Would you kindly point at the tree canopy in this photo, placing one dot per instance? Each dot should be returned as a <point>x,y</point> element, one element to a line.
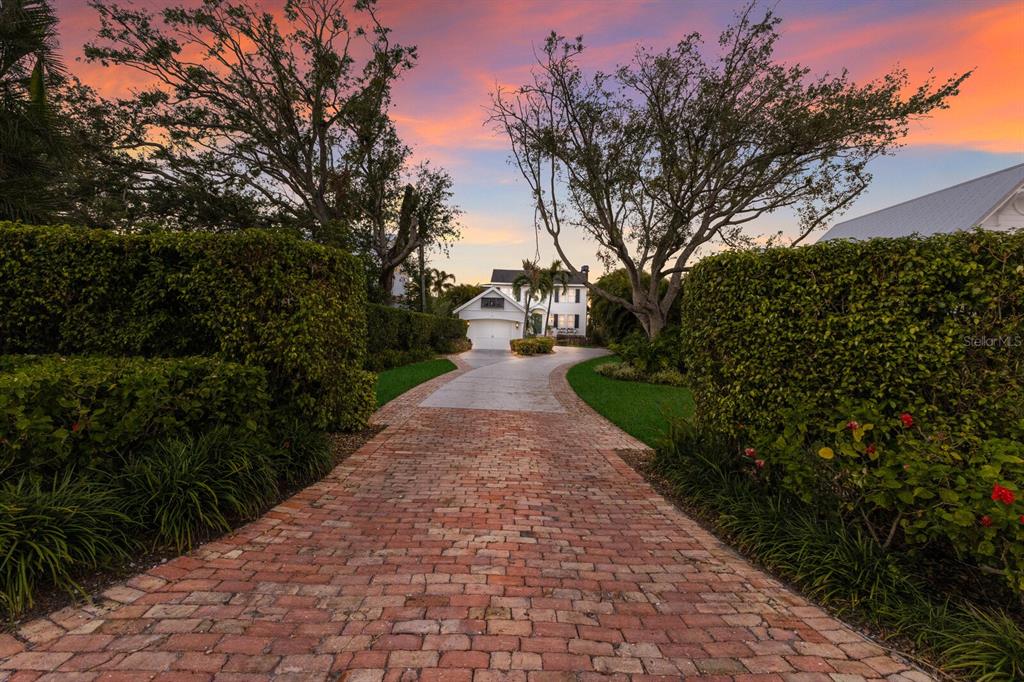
<point>680,148</point>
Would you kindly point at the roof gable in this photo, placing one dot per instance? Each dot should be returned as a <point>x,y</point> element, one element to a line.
<point>489,290</point>
<point>959,207</point>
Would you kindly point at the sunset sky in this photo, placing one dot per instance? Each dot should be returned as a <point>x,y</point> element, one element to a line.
<point>466,46</point>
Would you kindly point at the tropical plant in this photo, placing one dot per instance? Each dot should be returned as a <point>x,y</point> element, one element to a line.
<point>50,532</point>
<point>555,279</point>
<point>194,485</point>
<point>441,282</point>
<point>30,140</point>
<point>679,149</point>
<point>532,281</point>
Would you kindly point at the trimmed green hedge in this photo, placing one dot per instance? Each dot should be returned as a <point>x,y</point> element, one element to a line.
<point>885,378</point>
<point>396,336</point>
<point>534,345</point>
<point>65,414</point>
<point>264,299</point>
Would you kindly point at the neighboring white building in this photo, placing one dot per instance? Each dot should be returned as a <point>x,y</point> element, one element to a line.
<point>992,202</point>
<point>495,316</point>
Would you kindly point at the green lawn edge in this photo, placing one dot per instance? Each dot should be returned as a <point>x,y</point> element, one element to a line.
<point>642,410</point>
<point>394,382</point>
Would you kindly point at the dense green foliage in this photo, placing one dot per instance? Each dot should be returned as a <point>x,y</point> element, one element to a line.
<point>837,563</point>
<point>62,414</point>
<point>49,531</point>
<point>642,410</point>
<point>533,345</point>
<point>394,382</point>
<point>884,380</point>
<point>397,337</point>
<point>102,455</point>
<point>263,299</point>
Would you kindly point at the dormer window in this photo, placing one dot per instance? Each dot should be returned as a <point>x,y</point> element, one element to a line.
<point>492,302</point>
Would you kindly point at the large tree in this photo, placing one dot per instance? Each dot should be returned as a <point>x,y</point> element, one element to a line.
<point>679,150</point>
<point>291,112</point>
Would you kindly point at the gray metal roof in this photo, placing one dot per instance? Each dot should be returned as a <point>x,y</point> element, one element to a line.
<point>959,207</point>
<point>499,276</point>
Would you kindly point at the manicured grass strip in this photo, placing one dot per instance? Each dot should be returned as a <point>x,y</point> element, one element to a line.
<point>641,410</point>
<point>394,382</point>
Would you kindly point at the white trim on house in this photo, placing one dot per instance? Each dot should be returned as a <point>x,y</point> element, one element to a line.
<point>484,293</point>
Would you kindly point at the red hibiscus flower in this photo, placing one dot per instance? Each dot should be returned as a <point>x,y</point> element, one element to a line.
<point>852,425</point>
<point>759,463</point>
<point>986,520</point>
<point>907,419</point>
<point>75,427</point>
<point>870,449</point>
<point>750,452</point>
<point>1022,519</point>
<point>1001,494</point>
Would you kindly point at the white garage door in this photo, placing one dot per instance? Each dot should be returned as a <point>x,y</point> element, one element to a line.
<point>490,334</point>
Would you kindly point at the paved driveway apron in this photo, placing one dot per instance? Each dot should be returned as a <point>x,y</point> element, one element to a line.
<point>491,532</point>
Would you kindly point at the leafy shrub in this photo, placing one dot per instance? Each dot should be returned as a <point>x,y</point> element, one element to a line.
<point>785,347</point>
<point>648,356</point>
<point>399,337</point>
<point>834,561</point>
<point>48,532</point>
<point>269,300</point>
<point>534,345</point>
<point>302,454</point>
<point>71,414</point>
<point>194,485</point>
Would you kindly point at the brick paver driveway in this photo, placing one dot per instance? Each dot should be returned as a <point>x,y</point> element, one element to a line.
<point>460,544</point>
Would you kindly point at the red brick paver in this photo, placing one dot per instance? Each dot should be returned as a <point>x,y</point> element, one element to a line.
<point>458,545</point>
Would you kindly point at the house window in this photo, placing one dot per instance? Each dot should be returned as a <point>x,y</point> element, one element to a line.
<point>553,320</point>
<point>577,297</point>
<point>556,295</point>
<point>492,302</point>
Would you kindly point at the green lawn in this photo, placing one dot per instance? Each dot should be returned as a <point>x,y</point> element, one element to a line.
<point>394,382</point>
<point>641,410</point>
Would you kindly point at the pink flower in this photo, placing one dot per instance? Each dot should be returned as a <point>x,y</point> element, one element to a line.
<point>986,520</point>
<point>750,452</point>
<point>75,427</point>
<point>852,425</point>
<point>871,449</point>
<point>1001,494</point>
<point>759,463</point>
<point>907,419</point>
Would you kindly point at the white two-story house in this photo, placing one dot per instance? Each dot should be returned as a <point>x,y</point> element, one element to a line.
<point>496,315</point>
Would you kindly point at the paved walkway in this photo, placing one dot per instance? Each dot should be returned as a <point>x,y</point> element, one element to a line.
<point>460,544</point>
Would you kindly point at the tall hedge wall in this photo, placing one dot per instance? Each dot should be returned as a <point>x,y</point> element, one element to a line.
<point>396,336</point>
<point>881,380</point>
<point>264,299</point>
<point>933,325</point>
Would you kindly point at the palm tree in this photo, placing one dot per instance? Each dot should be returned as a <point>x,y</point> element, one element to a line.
<point>532,280</point>
<point>29,143</point>
<point>554,278</point>
<point>441,282</point>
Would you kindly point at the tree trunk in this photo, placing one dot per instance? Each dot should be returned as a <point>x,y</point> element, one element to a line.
<point>386,282</point>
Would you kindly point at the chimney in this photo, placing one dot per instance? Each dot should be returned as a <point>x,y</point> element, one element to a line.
<point>585,270</point>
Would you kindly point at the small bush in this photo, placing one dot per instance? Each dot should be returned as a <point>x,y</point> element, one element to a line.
<point>302,454</point>
<point>396,336</point>
<point>534,345</point>
<point>269,300</point>
<point>648,356</point>
<point>50,532</point>
<point>187,487</point>
<point>623,371</point>
<point>59,415</point>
